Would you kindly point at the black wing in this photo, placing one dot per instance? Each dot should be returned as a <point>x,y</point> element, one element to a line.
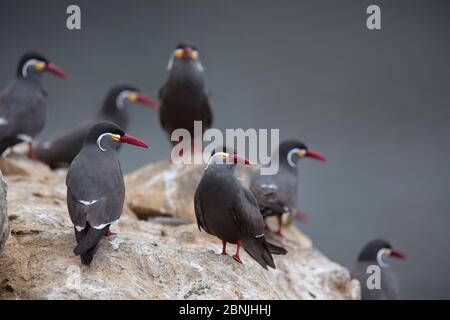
<point>246,213</point>
<point>199,212</point>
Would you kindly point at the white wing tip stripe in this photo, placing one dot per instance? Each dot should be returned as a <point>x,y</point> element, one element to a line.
<point>87,203</point>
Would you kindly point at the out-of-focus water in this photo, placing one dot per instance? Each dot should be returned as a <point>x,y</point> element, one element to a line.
<point>376,103</point>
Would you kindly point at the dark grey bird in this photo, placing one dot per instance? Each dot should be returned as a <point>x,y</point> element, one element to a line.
<point>278,193</point>
<point>227,210</point>
<point>61,149</point>
<point>95,186</point>
<point>184,98</point>
<point>375,253</point>
<point>23,103</point>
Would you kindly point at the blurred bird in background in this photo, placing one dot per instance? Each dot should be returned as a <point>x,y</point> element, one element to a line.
<point>184,98</point>
<point>376,253</point>
<point>23,103</point>
<point>59,150</point>
<point>278,194</point>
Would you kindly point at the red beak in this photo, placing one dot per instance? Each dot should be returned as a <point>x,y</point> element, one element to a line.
<point>133,140</point>
<point>147,101</point>
<point>239,159</point>
<point>50,67</point>
<point>301,216</point>
<point>187,52</point>
<point>397,254</point>
<point>315,155</point>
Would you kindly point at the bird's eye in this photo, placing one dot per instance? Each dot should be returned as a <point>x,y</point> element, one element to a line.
<point>194,55</point>
<point>179,53</point>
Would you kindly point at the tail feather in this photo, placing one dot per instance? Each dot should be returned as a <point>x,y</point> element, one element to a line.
<point>258,250</point>
<point>276,249</point>
<point>90,240</point>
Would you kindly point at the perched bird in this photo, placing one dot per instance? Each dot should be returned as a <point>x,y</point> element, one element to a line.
<point>277,194</point>
<point>95,186</point>
<point>227,210</point>
<point>374,254</point>
<point>23,103</point>
<point>59,150</point>
<point>183,97</point>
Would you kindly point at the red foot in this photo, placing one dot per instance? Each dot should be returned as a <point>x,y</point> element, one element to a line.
<point>237,258</point>
<point>110,233</point>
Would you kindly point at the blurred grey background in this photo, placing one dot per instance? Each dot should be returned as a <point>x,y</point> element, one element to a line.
<point>376,103</point>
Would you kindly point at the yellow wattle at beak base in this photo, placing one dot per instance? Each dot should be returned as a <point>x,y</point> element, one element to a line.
<point>301,154</point>
<point>132,97</point>
<point>115,137</point>
<point>39,67</point>
<point>179,53</point>
<point>194,55</point>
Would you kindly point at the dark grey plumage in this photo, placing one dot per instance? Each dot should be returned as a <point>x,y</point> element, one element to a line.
<point>183,97</point>
<point>226,209</point>
<point>95,188</point>
<point>61,149</point>
<point>23,103</point>
<point>370,255</point>
<point>277,194</point>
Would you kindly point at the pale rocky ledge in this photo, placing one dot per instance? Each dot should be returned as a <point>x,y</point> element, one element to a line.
<point>161,255</point>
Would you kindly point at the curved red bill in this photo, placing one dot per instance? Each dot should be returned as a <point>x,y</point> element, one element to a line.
<point>315,155</point>
<point>397,254</point>
<point>147,101</point>
<point>239,159</point>
<point>187,51</point>
<point>50,67</point>
<point>133,140</point>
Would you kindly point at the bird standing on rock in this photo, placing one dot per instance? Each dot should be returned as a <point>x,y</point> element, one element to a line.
<point>227,210</point>
<point>23,103</point>
<point>95,186</point>
<point>61,149</point>
<point>374,254</point>
<point>277,194</point>
<point>183,97</point>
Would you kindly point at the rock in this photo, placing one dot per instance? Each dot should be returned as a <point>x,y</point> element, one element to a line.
<point>4,226</point>
<point>16,163</point>
<point>147,260</point>
<point>167,189</point>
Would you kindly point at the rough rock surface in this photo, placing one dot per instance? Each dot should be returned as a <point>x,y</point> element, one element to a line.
<point>167,189</point>
<point>146,260</point>
<point>4,226</point>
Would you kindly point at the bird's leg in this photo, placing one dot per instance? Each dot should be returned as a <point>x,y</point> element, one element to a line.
<point>280,226</point>
<point>31,155</point>
<point>110,233</point>
<point>266,226</point>
<point>236,256</point>
<point>224,248</point>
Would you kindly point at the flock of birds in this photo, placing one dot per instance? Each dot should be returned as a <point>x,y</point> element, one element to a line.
<point>95,184</point>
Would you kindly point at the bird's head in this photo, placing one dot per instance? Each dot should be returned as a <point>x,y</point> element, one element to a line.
<point>291,151</point>
<point>377,251</point>
<point>185,53</point>
<point>226,155</point>
<point>121,96</point>
<point>34,64</point>
<point>107,135</point>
